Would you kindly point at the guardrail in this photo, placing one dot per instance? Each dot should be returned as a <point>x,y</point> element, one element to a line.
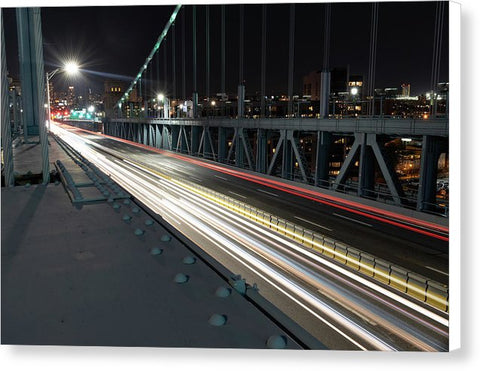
<point>401,279</point>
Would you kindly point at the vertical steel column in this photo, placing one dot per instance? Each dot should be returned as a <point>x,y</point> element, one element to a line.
<point>325,75</point>
<point>151,90</point>
<point>195,139</point>
<point>264,61</point>
<point>239,150</point>
<point>158,136</point>
<point>373,59</point>
<point>261,160</point>
<point>194,44</point>
<point>427,189</point>
<point>437,53</point>
<point>157,70</point>
<point>241,101</point>
<point>222,144</point>
<point>184,90</point>
<point>175,135</point>
<point>222,48</point>
<point>241,86</point>
<point>291,54</point>
<point>146,131</point>
<point>165,74</point>
<point>16,111</point>
<point>29,27</point>
<point>6,130</point>
<point>287,156</point>
<point>207,52</point>
<point>322,158</point>
<point>142,113</point>
<point>366,169</point>
<point>174,70</point>
<point>25,59</point>
<point>30,49</point>
<point>146,95</point>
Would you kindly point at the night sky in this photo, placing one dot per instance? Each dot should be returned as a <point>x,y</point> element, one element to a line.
<point>113,42</point>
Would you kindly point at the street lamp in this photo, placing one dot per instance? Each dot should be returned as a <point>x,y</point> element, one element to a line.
<point>354,92</point>
<point>70,68</point>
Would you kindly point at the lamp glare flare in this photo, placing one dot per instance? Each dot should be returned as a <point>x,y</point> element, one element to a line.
<point>71,68</point>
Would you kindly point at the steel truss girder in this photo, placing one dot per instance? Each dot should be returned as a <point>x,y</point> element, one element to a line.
<point>432,147</point>
<point>388,126</point>
<point>366,143</point>
<point>241,144</point>
<point>288,144</point>
<point>182,141</point>
<point>206,143</point>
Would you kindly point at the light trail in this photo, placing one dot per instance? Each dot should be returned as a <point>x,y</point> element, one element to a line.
<point>402,221</point>
<point>210,221</point>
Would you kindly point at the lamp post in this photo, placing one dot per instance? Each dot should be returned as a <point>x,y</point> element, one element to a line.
<point>354,92</point>
<point>160,98</point>
<point>70,68</point>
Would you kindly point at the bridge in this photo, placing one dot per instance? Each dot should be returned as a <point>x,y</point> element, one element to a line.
<point>235,211</point>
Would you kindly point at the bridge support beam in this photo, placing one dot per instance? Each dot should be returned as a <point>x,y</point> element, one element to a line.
<point>241,101</point>
<point>322,159</point>
<point>195,139</point>
<point>175,135</point>
<point>166,138</point>
<point>324,93</point>
<point>289,146</point>
<point>432,147</point>
<point>222,144</point>
<point>243,149</point>
<point>146,129</point>
<point>369,151</point>
<point>366,171</point>
<point>158,135</point>
<point>182,141</point>
<point>6,129</point>
<point>206,144</point>
<point>30,45</point>
<point>261,155</point>
<point>287,157</point>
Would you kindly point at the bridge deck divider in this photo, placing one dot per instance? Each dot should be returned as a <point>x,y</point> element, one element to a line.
<point>419,287</point>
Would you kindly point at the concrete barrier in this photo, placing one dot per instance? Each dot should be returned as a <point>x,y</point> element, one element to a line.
<point>341,252</point>
<point>353,258</point>
<point>437,295</point>
<point>382,271</point>
<point>416,286</point>
<point>290,230</point>
<point>307,238</point>
<point>398,278</point>
<point>329,247</point>
<point>318,244</point>
<point>367,264</point>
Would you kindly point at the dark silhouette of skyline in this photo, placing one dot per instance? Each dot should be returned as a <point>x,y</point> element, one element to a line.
<point>113,42</point>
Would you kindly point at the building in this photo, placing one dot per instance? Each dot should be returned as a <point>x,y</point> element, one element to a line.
<point>71,96</point>
<point>406,90</point>
<point>338,82</point>
<point>112,92</point>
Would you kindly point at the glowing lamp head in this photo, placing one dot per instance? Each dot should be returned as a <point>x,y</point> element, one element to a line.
<point>71,68</point>
<point>91,109</point>
<point>213,103</point>
<point>354,91</point>
<point>160,97</point>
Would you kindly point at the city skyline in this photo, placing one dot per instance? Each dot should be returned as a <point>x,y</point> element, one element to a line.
<point>107,49</point>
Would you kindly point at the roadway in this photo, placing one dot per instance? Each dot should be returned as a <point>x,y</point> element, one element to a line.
<point>425,254</point>
<point>342,309</point>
